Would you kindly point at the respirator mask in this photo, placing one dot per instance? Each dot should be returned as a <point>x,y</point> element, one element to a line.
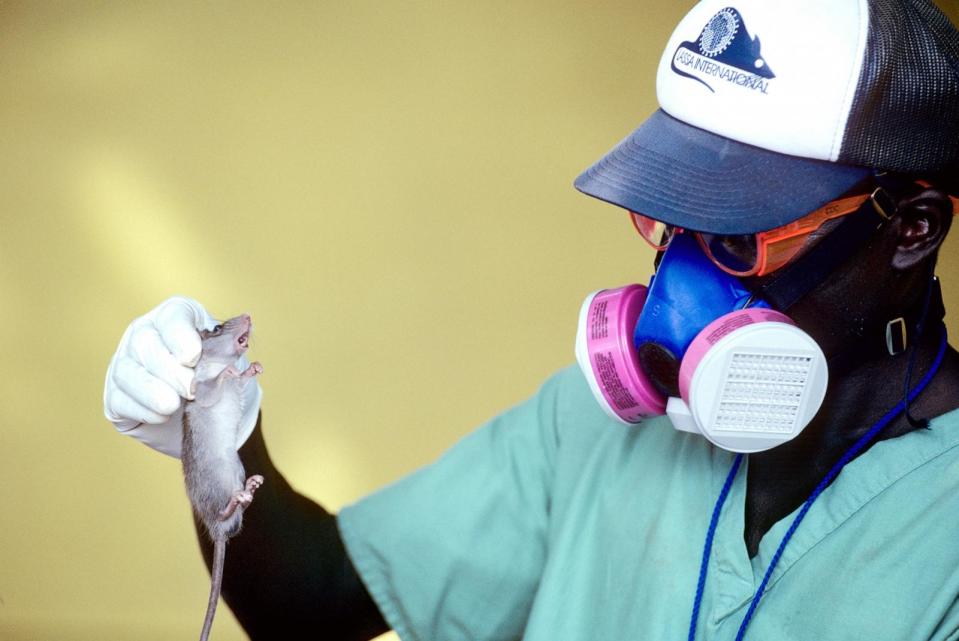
<point>700,347</point>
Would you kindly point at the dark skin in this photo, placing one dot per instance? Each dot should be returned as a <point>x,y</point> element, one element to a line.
<point>887,279</point>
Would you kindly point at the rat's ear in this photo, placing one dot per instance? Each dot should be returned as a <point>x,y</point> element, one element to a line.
<point>923,220</point>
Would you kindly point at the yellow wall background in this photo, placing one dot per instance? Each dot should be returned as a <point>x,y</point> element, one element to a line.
<point>385,186</point>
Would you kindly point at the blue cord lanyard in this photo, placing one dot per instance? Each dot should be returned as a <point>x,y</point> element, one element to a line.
<point>857,446</point>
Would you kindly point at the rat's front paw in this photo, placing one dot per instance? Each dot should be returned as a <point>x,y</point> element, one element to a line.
<point>254,369</point>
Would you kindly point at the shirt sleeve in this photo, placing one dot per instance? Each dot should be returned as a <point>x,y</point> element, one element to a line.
<point>456,549</point>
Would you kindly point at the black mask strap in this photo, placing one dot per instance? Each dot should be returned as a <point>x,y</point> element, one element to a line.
<point>932,307</point>
<point>798,278</point>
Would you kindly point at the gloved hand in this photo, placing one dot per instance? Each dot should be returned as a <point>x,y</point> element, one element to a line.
<point>151,372</point>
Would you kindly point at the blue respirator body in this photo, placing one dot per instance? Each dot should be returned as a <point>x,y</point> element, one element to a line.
<point>686,293</point>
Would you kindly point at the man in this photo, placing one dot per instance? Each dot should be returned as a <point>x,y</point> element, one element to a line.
<point>800,170</point>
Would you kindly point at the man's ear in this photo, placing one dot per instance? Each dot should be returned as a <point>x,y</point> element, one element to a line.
<point>923,222</point>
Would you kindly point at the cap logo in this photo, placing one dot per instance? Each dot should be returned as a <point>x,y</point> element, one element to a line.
<point>724,51</point>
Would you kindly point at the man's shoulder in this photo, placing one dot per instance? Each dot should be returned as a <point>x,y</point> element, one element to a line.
<point>581,423</point>
<point>568,396</point>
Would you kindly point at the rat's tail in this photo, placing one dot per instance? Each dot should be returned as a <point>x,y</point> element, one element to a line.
<point>216,580</point>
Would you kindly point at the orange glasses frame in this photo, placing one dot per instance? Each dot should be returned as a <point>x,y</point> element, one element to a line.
<point>774,247</point>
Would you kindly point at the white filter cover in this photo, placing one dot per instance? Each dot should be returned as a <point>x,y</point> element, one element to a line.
<point>758,387</point>
<point>770,73</point>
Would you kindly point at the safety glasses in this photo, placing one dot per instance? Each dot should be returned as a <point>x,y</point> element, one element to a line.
<point>751,254</point>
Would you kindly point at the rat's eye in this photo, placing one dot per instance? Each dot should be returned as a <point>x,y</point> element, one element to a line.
<point>217,329</point>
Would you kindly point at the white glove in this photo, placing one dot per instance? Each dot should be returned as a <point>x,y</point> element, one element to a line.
<point>151,373</point>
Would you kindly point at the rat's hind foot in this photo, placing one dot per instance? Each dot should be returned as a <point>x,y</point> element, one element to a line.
<point>253,483</point>
<point>241,499</point>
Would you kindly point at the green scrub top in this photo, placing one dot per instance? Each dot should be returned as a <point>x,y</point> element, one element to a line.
<point>552,522</point>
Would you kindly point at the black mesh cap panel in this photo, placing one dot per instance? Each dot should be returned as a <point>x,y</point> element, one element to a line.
<point>905,115</point>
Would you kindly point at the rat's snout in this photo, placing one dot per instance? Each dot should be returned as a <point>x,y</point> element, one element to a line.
<point>241,323</point>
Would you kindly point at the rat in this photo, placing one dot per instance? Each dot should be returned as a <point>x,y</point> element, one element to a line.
<point>215,479</point>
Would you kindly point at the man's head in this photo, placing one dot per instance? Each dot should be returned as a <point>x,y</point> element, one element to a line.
<point>771,109</point>
<point>832,127</point>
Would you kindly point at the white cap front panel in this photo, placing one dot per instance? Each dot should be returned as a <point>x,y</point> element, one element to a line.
<point>775,74</point>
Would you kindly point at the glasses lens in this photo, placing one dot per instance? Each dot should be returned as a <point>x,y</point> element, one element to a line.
<point>736,253</point>
<point>656,233</point>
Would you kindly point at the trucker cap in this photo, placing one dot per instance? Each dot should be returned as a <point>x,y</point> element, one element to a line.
<point>771,108</point>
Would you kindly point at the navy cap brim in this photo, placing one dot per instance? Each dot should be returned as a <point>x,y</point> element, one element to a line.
<point>695,179</point>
